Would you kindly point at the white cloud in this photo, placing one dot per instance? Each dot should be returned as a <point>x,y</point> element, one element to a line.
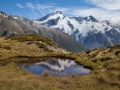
<point>64,10</point>
<point>31,6</point>
<point>106,4</point>
<point>19,5</point>
<point>105,10</point>
<point>44,6</point>
<point>101,12</point>
<point>39,6</point>
<point>115,22</point>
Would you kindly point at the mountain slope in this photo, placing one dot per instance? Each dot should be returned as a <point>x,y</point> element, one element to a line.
<point>62,39</point>
<point>90,32</point>
<point>15,25</point>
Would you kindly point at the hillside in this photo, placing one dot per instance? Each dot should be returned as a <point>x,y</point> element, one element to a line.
<point>62,39</point>
<point>28,45</point>
<point>104,64</point>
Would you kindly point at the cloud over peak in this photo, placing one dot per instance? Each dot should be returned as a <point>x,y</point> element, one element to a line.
<point>19,5</point>
<point>101,10</point>
<point>106,4</point>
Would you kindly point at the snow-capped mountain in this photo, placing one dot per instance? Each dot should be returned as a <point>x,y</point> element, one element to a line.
<point>90,32</point>
<point>4,14</point>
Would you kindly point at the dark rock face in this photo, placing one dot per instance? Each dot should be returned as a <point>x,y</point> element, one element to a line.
<point>51,22</point>
<point>92,19</point>
<point>44,18</point>
<point>5,33</point>
<point>114,36</point>
<point>95,40</point>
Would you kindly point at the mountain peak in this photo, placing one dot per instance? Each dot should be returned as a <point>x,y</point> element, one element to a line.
<point>53,15</point>
<point>4,14</point>
<point>57,12</point>
<point>90,18</point>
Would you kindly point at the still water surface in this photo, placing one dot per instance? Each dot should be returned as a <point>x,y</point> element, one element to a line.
<point>56,67</point>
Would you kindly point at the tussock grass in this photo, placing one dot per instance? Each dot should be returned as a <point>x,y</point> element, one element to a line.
<point>28,45</point>
<point>33,37</point>
<point>5,47</point>
<point>46,74</point>
<point>104,63</point>
<point>13,78</point>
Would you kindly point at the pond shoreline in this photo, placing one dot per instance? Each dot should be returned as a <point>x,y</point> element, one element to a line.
<point>17,59</point>
<point>41,56</point>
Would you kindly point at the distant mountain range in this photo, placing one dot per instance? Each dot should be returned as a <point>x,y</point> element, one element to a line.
<point>16,25</point>
<point>88,31</point>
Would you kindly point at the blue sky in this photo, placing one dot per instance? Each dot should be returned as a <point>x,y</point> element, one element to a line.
<point>100,9</point>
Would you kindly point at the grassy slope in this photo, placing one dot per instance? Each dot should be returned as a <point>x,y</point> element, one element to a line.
<point>12,78</point>
<point>105,74</point>
<point>27,45</point>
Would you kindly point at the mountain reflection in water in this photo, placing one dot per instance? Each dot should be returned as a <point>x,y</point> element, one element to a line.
<point>56,67</point>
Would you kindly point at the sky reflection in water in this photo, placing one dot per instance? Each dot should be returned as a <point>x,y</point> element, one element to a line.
<point>56,67</point>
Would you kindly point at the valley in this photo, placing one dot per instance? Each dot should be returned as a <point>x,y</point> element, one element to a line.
<point>26,43</point>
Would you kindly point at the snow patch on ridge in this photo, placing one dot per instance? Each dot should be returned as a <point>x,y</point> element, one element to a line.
<point>15,17</point>
<point>54,16</point>
<point>4,15</point>
<point>76,25</point>
<point>83,27</point>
